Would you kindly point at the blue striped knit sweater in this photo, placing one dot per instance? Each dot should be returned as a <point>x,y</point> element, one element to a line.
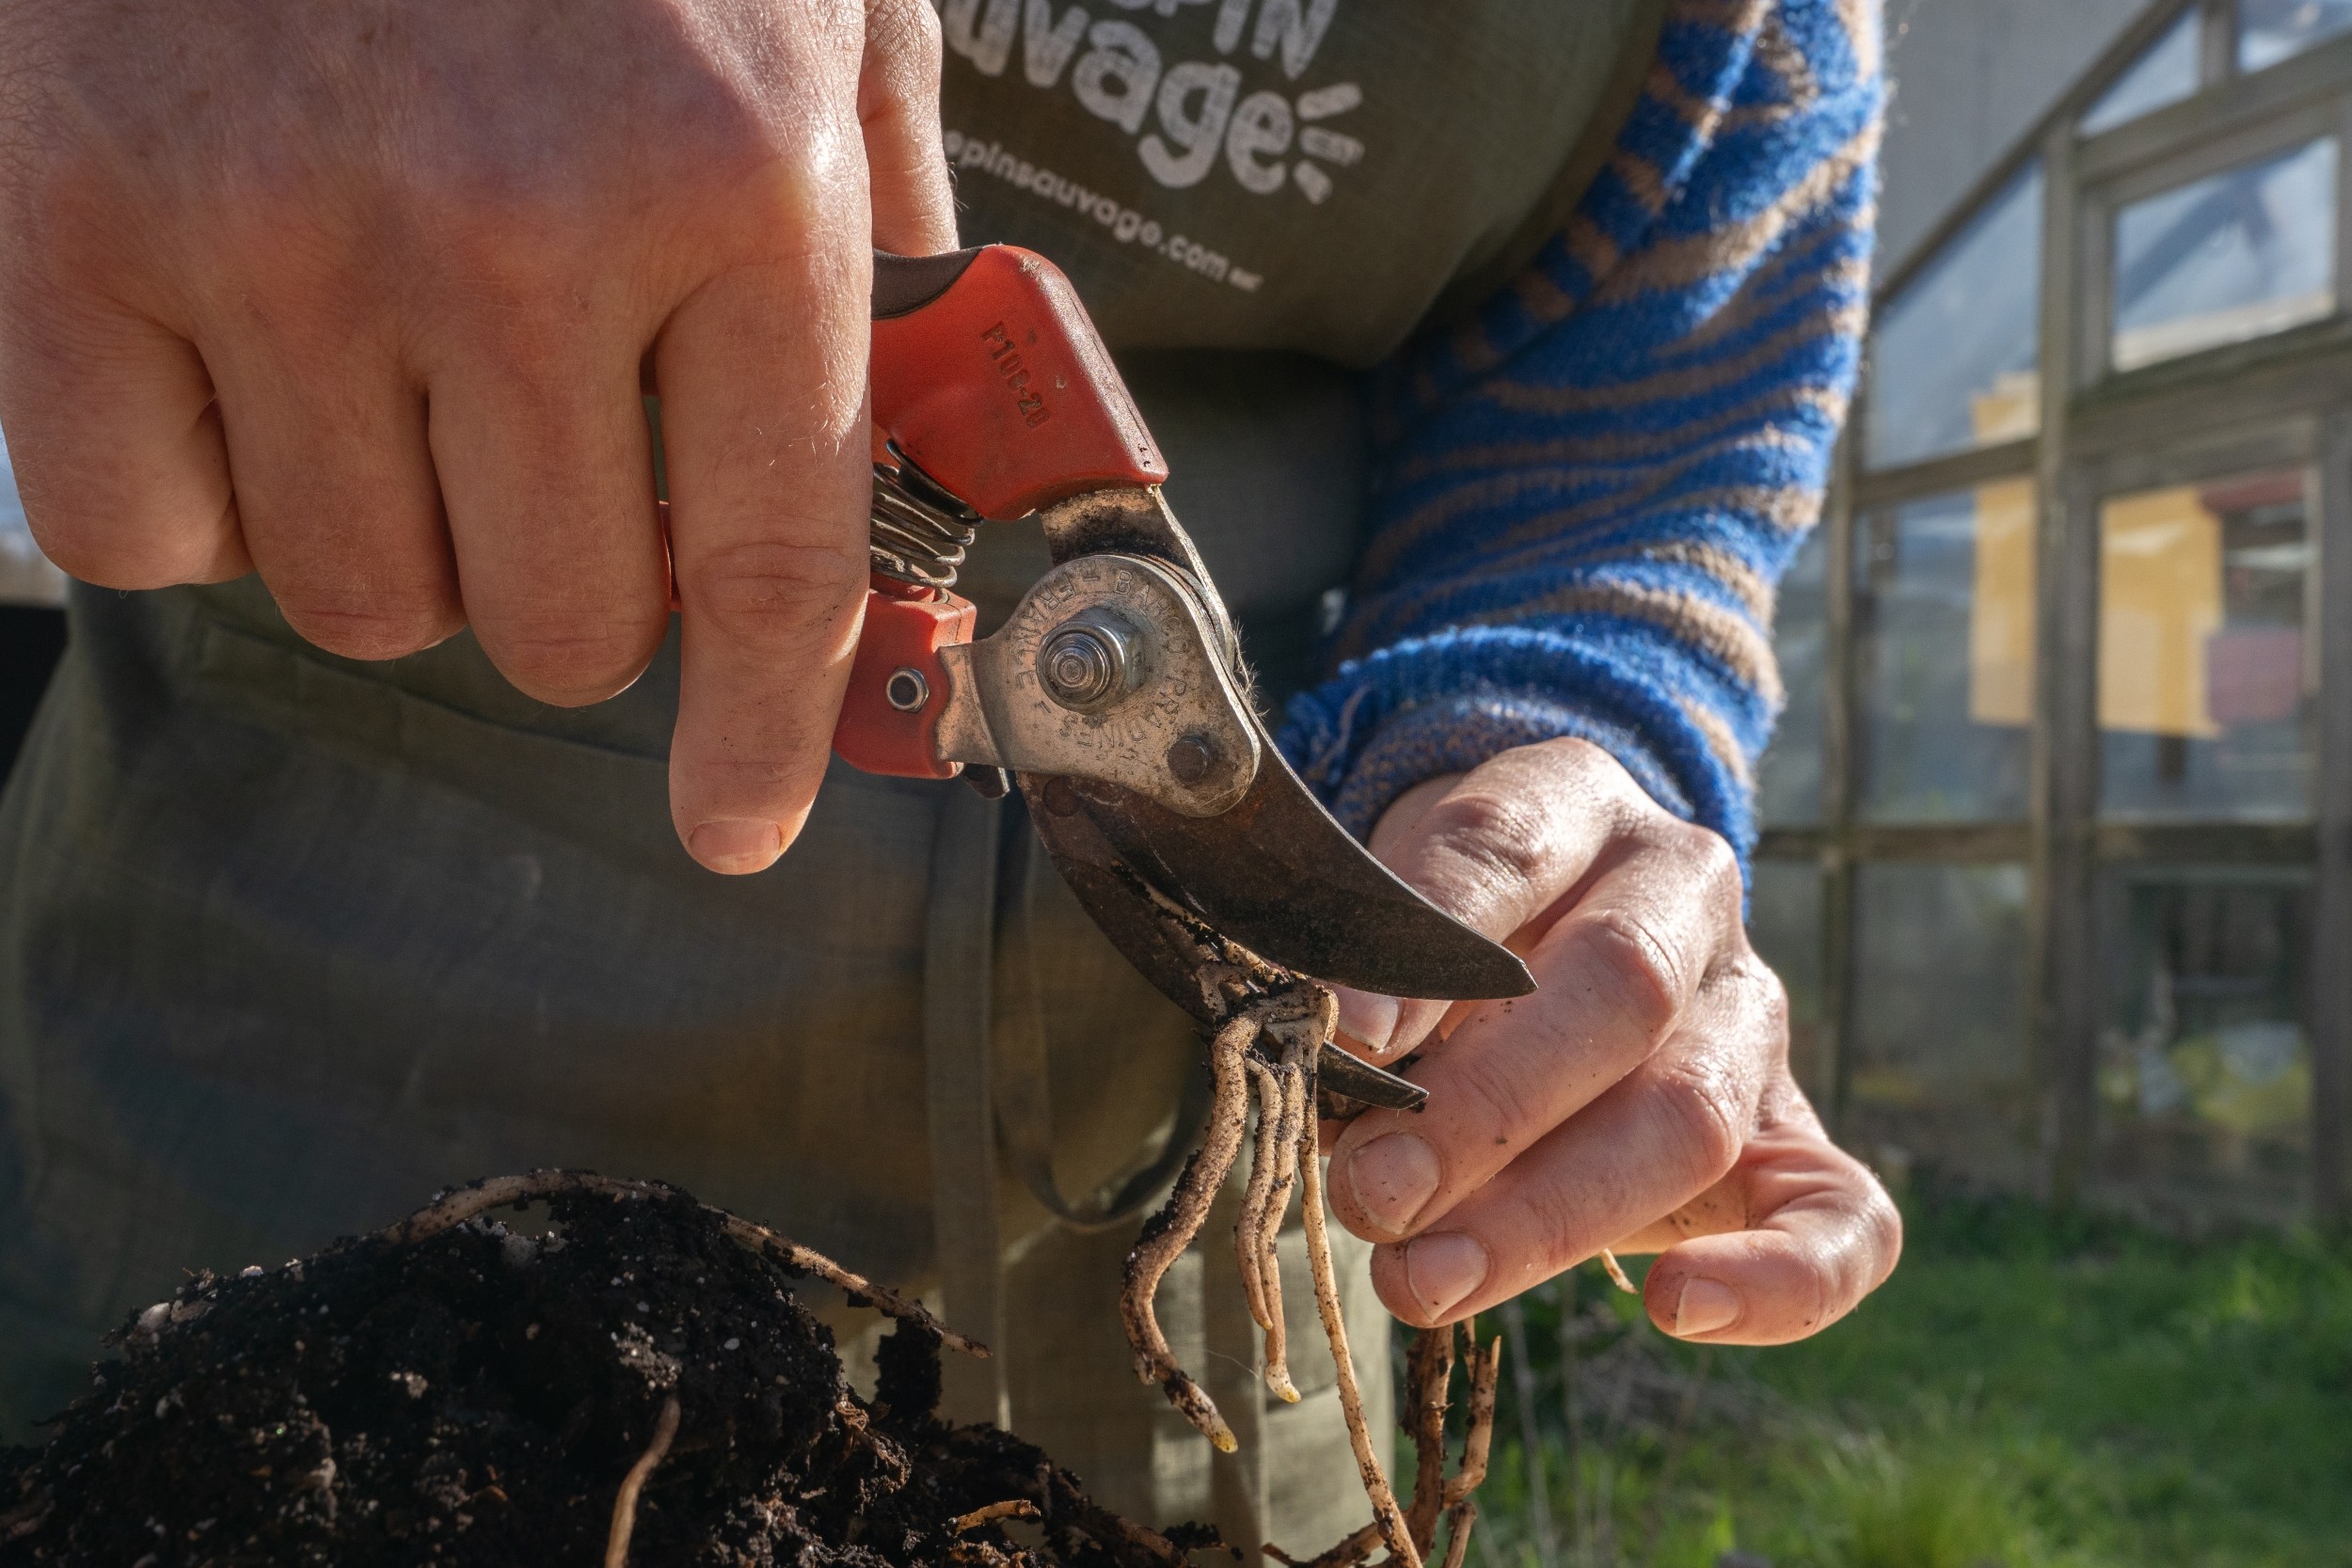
<point>1588,490</point>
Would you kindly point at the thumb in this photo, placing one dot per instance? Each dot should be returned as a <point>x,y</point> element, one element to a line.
<point>1811,1234</point>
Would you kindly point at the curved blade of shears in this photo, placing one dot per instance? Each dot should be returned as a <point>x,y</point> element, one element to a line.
<point>1278,875</point>
<point>1169,945</point>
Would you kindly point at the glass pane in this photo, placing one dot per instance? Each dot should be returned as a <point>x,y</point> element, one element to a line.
<point>1952,357</point>
<point>2236,255</point>
<point>2205,1068</point>
<point>1944,624</point>
<point>2205,677</point>
<point>1788,782</point>
<point>2165,74</point>
<point>1940,1067</point>
<point>1784,925</point>
<point>25,574</point>
<point>2270,30</point>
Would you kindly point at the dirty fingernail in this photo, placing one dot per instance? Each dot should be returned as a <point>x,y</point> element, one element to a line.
<point>1393,1178</point>
<point>1368,1019</point>
<point>1442,1270</point>
<point>1706,1306</point>
<point>735,844</point>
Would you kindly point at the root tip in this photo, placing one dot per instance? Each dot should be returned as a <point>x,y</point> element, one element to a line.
<point>1617,1275</point>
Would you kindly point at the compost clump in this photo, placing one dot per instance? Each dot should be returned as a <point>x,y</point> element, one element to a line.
<point>636,1381</point>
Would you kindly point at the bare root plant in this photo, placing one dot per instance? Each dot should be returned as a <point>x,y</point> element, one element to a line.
<point>1273,1026</point>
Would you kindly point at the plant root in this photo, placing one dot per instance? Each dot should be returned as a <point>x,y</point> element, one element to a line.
<point>1246,1252</point>
<point>1617,1275</point>
<point>1458,1520</point>
<point>1428,1369</point>
<point>1012,1507</point>
<point>1483,1370</point>
<point>1293,1140</point>
<point>1167,1233</point>
<point>624,1505</point>
<point>1351,1550</point>
<point>455,1207</point>
<point>1436,1496</point>
<point>1383,1508</point>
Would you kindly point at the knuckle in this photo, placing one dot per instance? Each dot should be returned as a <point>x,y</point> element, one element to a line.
<point>1569,1222</point>
<point>732,135</point>
<point>1882,1226</point>
<point>1595,773</point>
<point>514,258</point>
<point>1760,999</point>
<point>1768,999</point>
<point>1704,1119</point>
<point>1642,983</point>
<point>1715,865</point>
<point>1496,838</point>
<point>770,591</point>
<point>1577,754</point>
<point>1492,1099</point>
<point>487,213</point>
<point>1703,860</point>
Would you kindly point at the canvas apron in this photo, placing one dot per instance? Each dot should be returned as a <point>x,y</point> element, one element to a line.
<point>288,942</point>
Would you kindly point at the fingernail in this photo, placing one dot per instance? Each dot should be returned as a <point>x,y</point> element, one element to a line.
<point>1393,1177</point>
<point>735,844</point>
<point>1706,1306</point>
<point>1368,1019</point>
<point>1442,1270</point>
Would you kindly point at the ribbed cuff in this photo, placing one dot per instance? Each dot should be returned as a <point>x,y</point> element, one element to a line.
<point>1446,703</point>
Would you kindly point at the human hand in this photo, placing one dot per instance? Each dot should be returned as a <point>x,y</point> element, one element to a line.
<point>362,296</point>
<point>1640,1100</point>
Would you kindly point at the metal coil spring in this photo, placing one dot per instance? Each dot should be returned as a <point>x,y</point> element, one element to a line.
<point>920,531</point>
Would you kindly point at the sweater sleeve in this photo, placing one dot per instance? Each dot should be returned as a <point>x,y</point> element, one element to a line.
<point>1587,491</point>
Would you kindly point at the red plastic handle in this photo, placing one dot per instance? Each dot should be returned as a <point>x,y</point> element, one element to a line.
<point>898,686</point>
<point>997,384</point>
<point>989,375</point>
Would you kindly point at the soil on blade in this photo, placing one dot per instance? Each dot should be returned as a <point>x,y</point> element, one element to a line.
<point>478,1397</point>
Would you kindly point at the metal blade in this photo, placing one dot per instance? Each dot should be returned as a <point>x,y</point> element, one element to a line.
<point>1278,875</point>
<point>1171,947</point>
<point>1341,1076</point>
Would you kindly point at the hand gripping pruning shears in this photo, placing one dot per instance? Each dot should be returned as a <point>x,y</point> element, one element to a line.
<point>1114,695</point>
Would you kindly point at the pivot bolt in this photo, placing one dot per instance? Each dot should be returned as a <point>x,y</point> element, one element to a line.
<point>1191,757</point>
<point>1089,661</point>
<point>907,690</point>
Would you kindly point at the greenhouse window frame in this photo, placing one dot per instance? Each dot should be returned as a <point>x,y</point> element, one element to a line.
<point>2278,400</point>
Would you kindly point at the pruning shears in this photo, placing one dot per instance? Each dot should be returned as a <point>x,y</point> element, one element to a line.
<point>1115,696</point>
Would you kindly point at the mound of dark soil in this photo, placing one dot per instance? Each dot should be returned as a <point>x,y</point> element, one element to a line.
<point>479,1397</point>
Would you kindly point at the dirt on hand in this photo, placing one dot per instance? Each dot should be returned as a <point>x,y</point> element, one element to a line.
<point>476,1395</point>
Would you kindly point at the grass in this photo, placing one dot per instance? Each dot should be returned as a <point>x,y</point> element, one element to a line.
<point>2028,1390</point>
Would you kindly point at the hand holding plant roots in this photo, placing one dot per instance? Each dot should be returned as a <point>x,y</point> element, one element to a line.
<point>1273,1026</point>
